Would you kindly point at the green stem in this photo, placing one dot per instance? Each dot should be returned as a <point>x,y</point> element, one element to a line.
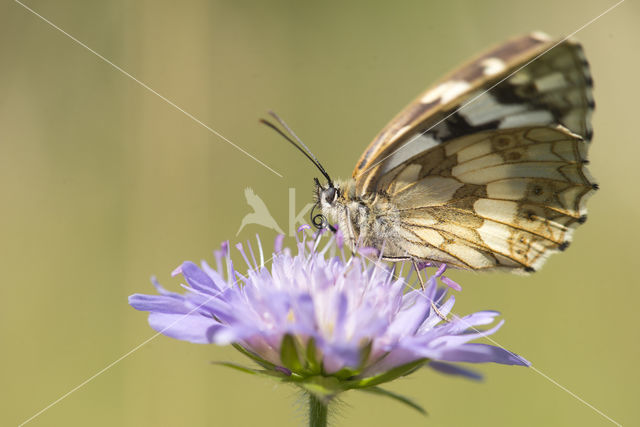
<point>317,412</point>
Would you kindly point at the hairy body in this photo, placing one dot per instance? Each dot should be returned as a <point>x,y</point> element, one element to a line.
<point>369,221</point>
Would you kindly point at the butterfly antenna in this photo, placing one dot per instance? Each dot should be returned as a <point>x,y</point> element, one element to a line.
<point>292,133</point>
<point>299,144</point>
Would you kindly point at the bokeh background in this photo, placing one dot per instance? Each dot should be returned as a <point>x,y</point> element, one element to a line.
<point>103,184</point>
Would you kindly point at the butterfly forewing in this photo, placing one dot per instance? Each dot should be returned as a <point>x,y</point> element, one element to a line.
<point>527,81</point>
<point>486,170</point>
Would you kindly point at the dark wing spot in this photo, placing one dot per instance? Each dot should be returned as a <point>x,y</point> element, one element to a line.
<point>459,126</point>
<point>502,141</point>
<point>588,80</point>
<point>563,246</point>
<point>513,156</point>
<point>362,163</point>
<point>529,269</point>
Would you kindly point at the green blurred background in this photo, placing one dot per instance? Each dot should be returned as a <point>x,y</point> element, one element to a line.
<point>103,184</point>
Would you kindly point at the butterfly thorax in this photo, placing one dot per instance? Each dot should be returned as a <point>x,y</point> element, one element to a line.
<point>371,220</point>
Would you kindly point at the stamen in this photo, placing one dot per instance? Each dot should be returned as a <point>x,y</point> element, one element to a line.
<point>261,251</point>
<point>277,244</point>
<point>441,270</point>
<point>239,248</point>
<point>317,237</point>
<point>339,238</point>
<point>450,283</point>
<point>328,245</point>
<point>253,257</point>
<point>177,271</point>
<point>224,247</point>
<point>217,254</point>
<point>230,270</point>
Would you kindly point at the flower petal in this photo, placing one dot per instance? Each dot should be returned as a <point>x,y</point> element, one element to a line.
<point>479,353</point>
<point>158,303</point>
<point>197,278</point>
<point>409,318</point>
<point>450,369</point>
<point>193,328</point>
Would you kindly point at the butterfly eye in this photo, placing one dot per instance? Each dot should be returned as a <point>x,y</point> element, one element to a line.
<point>329,195</point>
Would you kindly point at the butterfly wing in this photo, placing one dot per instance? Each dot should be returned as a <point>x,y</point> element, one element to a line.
<point>529,80</point>
<point>502,199</point>
<point>493,180</point>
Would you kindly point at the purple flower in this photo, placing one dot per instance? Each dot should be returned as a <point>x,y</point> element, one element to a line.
<point>326,322</point>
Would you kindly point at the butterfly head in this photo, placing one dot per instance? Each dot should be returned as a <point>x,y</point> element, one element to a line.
<point>326,200</point>
<point>326,196</point>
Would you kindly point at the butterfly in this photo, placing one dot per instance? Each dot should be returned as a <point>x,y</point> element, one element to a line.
<point>486,170</point>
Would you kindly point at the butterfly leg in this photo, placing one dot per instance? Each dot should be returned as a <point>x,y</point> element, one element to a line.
<point>433,305</point>
<point>415,267</point>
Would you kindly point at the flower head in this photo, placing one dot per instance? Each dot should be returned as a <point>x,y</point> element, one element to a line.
<point>326,322</point>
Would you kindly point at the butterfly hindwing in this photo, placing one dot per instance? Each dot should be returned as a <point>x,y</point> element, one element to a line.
<point>491,200</point>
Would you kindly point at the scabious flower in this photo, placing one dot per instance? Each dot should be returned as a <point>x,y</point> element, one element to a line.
<point>327,323</point>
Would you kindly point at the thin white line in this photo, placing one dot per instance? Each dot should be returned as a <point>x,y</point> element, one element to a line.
<point>90,378</point>
<point>115,362</point>
<point>548,378</point>
<point>496,84</point>
<point>574,395</point>
<point>545,376</point>
<point>218,134</point>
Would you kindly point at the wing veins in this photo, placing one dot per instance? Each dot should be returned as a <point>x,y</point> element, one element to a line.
<point>455,208</point>
<point>423,242</point>
<point>536,162</point>
<point>563,228</point>
<point>507,149</point>
<point>473,245</point>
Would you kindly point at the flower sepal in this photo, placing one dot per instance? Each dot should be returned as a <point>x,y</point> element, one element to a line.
<point>390,375</point>
<point>324,388</point>
<point>290,354</point>
<point>397,397</point>
<point>259,360</point>
<point>312,362</point>
<point>278,375</point>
